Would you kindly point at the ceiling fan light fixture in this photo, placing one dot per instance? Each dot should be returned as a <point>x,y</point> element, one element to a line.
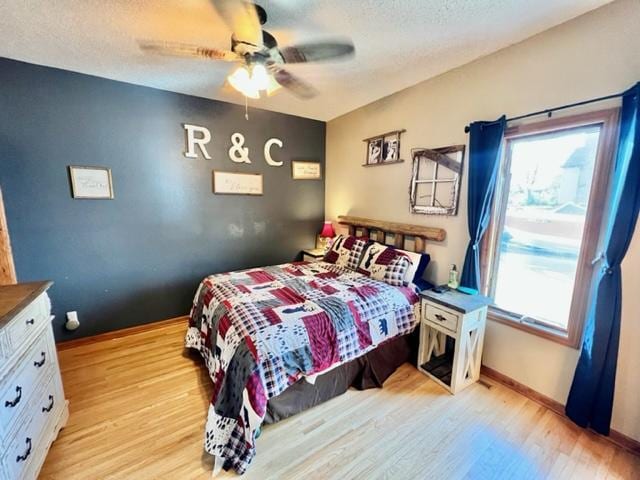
<point>242,81</point>
<point>259,77</point>
<point>264,62</point>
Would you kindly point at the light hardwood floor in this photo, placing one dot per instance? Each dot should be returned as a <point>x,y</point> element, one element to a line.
<point>138,406</point>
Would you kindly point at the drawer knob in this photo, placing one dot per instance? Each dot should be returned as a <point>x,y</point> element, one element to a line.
<point>48,409</point>
<point>40,363</point>
<point>15,401</point>
<point>440,318</point>
<point>31,321</point>
<point>25,455</point>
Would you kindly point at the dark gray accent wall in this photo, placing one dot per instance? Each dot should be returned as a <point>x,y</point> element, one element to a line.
<point>139,257</point>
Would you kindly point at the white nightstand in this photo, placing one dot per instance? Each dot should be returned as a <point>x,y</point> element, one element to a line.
<point>451,337</point>
<point>312,255</point>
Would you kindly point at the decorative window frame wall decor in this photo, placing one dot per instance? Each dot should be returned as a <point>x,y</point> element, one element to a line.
<point>450,158</point>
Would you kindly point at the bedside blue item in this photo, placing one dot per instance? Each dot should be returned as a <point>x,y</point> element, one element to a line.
<point>468,291</point>
<point>441,289</point>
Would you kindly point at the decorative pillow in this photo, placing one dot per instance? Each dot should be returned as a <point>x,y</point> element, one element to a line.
<point>384,263</point>
<point>345,251</point>
<point>419,262</point>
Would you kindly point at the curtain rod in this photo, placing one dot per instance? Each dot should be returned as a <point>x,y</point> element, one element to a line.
<point>549,111</point>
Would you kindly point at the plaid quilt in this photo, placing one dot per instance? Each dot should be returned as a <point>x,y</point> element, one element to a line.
<point>263,329</point>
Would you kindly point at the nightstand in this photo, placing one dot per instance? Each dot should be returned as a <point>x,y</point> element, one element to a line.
<point>312,255</point>
<point>452,326</point>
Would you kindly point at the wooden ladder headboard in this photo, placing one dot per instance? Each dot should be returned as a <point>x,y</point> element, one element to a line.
<point>398,230</point>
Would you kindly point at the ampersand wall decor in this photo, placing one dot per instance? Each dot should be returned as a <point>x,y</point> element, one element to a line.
<point>238,153</point>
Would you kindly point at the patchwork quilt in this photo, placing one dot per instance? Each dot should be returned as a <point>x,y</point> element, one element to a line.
<point>261,330</point>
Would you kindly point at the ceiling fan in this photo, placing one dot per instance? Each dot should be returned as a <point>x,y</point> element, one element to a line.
<point>262,60</point>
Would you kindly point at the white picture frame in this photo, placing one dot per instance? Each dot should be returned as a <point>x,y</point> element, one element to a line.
<point>233,183</point>
<point>306,170</point>
<point>92,183</point>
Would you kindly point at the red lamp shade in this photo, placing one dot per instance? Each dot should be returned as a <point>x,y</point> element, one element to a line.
<point>327,230</point>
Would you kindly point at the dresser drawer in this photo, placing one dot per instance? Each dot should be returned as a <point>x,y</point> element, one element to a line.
<point>30,320</point>
<point>24,452</point>
<point>18,387</point>
<point>441,317</point>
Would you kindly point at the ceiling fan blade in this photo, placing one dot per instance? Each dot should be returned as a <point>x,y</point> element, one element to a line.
<point>317,51</point>
<point>292,83</point>
<point>242,18</point>
<point>186,50</point>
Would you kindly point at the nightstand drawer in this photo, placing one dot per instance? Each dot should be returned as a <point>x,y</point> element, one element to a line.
<point>441,317</point>
<point>313,255</point>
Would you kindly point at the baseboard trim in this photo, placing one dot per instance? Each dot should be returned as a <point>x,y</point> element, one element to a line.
<point>522,389</point>
<point>615,437</point>
<point>123,332</point>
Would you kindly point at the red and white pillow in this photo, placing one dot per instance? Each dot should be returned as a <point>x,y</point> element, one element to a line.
<point>345,251</point>
<point>383,263</point>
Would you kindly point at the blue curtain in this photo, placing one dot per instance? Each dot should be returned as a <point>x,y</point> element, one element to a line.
<point>590,400</point>
<point>485,140</point>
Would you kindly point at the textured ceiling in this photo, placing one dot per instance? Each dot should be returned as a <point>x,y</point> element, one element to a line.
<point>398,42</point>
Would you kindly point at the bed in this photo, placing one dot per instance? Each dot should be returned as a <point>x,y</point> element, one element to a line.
<point>279,339</point>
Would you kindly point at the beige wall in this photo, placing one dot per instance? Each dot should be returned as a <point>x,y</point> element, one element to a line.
<point>593,55</point>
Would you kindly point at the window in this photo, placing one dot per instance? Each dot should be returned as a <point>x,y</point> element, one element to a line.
<point>547,217</point>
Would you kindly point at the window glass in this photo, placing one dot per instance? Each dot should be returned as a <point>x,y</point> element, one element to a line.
<point>547,186</point>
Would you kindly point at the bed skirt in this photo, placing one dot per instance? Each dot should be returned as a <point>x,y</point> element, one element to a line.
<point>369,371</point>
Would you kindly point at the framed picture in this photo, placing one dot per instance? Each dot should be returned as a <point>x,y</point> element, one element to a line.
<point>306,170</point>
<point>383,149</point>
<point>374,151</point>
<point>231,183</point>
<point>391,149</point>
<point>91,182</point>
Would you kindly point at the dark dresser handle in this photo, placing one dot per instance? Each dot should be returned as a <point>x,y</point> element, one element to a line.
<point>31,321</point>
<point>15,401</point>
<point>440,318</point>
<point>41,362</point>
<point>48,409</point>
<point>22,458</point>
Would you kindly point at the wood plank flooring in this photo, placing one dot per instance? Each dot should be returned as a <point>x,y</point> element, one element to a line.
<point>138,407</point>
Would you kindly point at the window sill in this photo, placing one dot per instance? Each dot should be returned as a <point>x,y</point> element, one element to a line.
<point>563,338</point>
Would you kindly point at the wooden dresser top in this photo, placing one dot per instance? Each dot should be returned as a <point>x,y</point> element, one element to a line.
<point>14,298</point>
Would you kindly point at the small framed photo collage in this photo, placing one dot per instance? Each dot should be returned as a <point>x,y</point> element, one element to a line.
<point>383,149</point>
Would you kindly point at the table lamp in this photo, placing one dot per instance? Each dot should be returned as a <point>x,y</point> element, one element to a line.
<point>326,235</point>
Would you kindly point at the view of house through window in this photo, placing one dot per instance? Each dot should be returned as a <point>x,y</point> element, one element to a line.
<point>548,181</point>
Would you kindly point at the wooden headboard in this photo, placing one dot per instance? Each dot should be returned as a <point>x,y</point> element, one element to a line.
<point>398,230</point>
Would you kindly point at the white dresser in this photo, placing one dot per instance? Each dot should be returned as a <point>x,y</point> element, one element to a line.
<point>32,404</point>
